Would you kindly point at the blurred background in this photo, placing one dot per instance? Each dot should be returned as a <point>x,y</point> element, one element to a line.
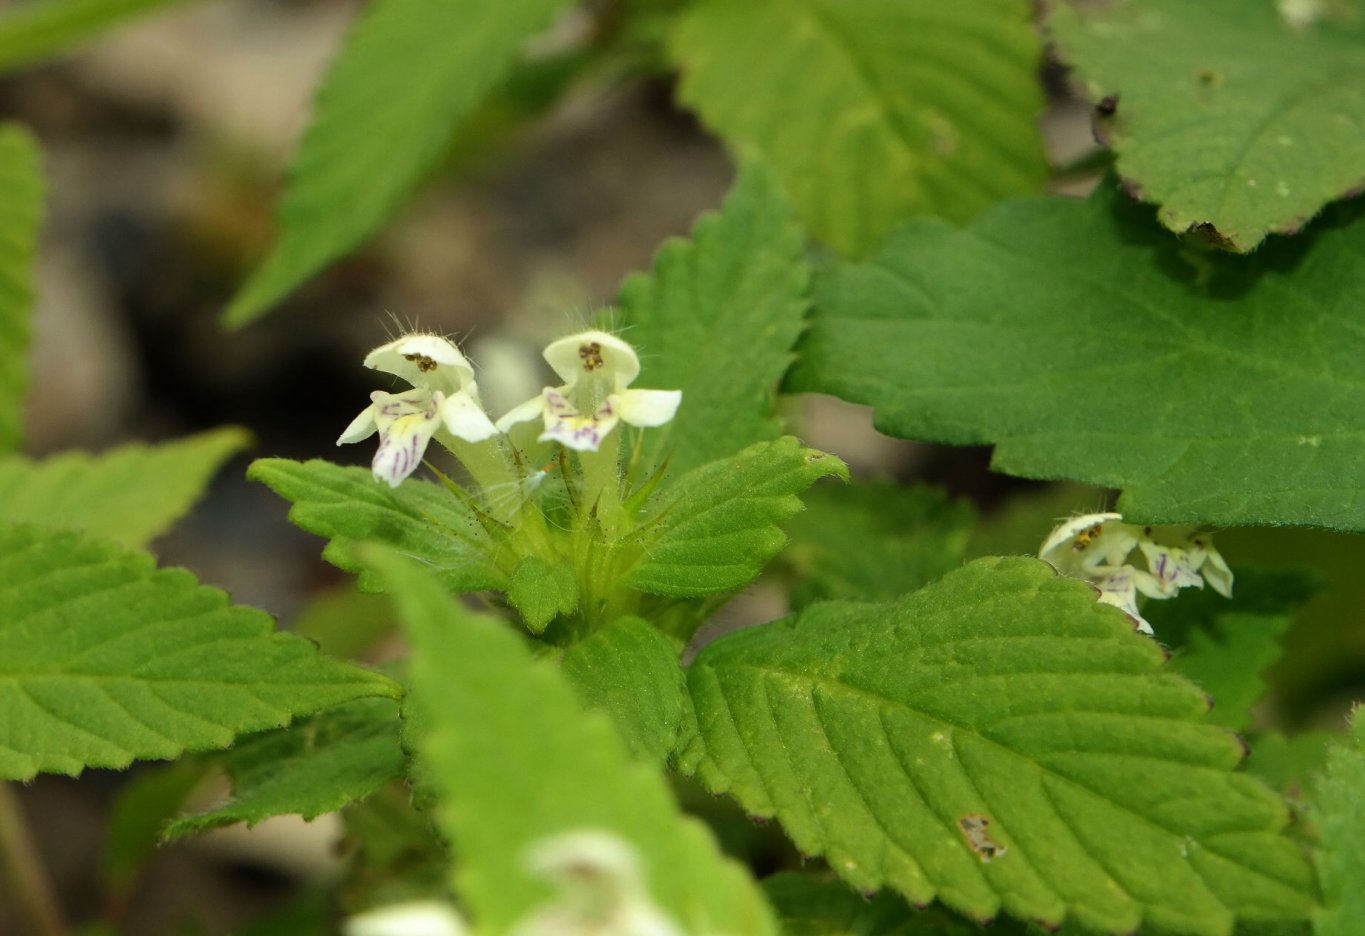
<point>164,144</point>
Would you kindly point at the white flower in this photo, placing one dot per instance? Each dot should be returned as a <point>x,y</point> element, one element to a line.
<point>1096,547</point>
<point>416,918</point>
<point>597,368</point>
<point>602,889</point>
<point>444,394</point>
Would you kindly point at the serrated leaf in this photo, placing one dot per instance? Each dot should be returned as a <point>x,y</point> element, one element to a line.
<point>1075,337</point>
<point>718,525</point>
<point>409,72</point>
<point>132,494</point>
<point>1224,646</point>
<point>418,519</point>
<point>1227,116</point>
<point>873,541</point>
<point>21,205</point>
<point>33,31</point>
<point>820,906</point>
<point>105,659</point>
<point>541,591</point>
<point>998,740</point>
<point>312,767</point>
<point>630,670</point>
<point>717,319</point>
<point>515,758</point>
<point>1340,805</point>
<point>907,107</point>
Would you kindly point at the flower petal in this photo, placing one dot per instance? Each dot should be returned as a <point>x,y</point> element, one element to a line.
<point>647,407</point>
<point>406,423</point>
<point>1061,538</point>
<point>1118,588</point>
<point>361,428</point>
<point>565,425</point>
<point>523,412</point>
<point>1217,573</point>
<point>1172,568</point>
<point>417,918</point>
<point>594,352</point>
<point>423,361</point>
<point>465,418</point>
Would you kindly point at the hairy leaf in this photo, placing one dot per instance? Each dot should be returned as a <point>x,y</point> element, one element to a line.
<point>312,767</point>
<point>541,591</point>
<point>515,758</point>
<point>874,542</point>
<point>105,659</point>
<point>717,319</point>
<point>35,30</point>
<point>409,72</point>
<point>1341,823</point>
<point>998,740</point>
<point>420,519</point>
<point>132,494</point>
<point>630,670</point>
<point>1226,646</point>
<point>1236,123</point>
<point>1074,336</point>
<point>21,205</point>
<point>906,107</point>
<point>718,525</point>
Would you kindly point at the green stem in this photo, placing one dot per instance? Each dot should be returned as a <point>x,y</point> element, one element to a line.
<point>21,871</point>
<point>489,466</point>
<point>602,483</point>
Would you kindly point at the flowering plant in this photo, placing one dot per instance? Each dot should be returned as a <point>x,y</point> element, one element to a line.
<point>591,635</point>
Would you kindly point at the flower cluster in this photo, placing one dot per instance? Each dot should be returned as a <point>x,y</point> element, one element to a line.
<point>596,368</point>
<point>1096,548</point>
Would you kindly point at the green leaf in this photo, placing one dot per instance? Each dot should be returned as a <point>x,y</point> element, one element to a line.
<point>409,72</point>
<point>515,758</point>
<point>718,525</point>
<point>1074,336</point>
<point>906,107</point>
<point>1234,123</point>
<point>418,519</point>
<point>541,591</point>
<point>717,319</point>
<point>105,659</point>
<point>822,906</point>
<point>1225,646</point>
<point>132,494</point>
<point>313,767</point>
<point>21,206</point>
<point>35,30</point>
<point>998,740</point>
<point>1341,824</point>
<point>630,670</point>
<point>874,542</point>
